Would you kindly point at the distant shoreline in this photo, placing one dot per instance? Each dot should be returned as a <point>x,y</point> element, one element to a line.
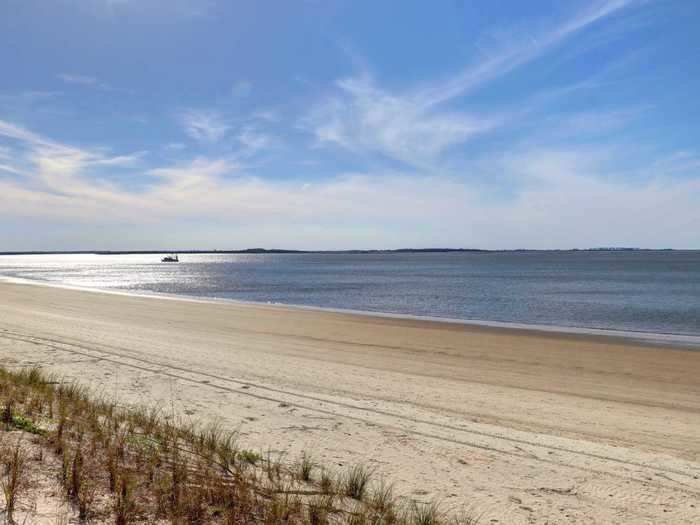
<point>378,251</point>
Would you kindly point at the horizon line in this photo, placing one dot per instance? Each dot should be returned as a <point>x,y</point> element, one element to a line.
<point>260,251</point>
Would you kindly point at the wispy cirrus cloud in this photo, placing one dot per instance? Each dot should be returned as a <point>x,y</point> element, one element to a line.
<point>408,125</point>
<point>518,52</point>
<point>30,96</point>
<point>245,137</point>
<point>253,141</point>
<point>13,131</point>
<point>367,118</point>
<point>36,142</point>
<point>266,115</point>
<point>85,81</point>
<point>175,146</point>
<point>204,125</point>
<point>54,166</point>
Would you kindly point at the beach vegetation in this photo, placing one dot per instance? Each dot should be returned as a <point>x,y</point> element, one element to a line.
<point>13,476</point>
<point>326,482</point>
<point>426,514</point>
<point>305,466</point>
<point>249,456</point>
<point>129,465</point>
<point>356,481</point>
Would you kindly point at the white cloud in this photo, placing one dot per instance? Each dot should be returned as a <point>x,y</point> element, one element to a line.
<point>401,211</point>
<point>12,131</point>
<point>569,198</point>
<point>266,115</point>
<point>367,118</point>
<point>518,52</point>
<point>408,125</point>
<point>175,146</point>
<point>204,126</point>
<point>254,141</point>
<point>78,79</point>
<point>119,160</point>
<point>85,81</point>
<point>37,95</point>
<point>56,167</point>
<point>212,127</point>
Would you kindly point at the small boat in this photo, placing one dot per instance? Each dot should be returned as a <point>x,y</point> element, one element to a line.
<point>170,258</point>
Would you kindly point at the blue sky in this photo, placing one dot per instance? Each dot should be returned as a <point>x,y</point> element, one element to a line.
<point>144,124</point>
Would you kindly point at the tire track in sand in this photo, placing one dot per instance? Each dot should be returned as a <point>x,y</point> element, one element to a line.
<point>117,356</point>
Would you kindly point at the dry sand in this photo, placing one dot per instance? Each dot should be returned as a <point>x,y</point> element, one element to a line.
<point>519,426</point>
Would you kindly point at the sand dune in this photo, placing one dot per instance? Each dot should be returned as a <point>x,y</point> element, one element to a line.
<point>520,426</point>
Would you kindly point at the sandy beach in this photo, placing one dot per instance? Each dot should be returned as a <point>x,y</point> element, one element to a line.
<point>517,426</point>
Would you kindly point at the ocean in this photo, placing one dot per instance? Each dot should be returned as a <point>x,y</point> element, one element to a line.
<point>637,291</point>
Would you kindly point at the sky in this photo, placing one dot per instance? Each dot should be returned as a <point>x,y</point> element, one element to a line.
<point>349,124</point>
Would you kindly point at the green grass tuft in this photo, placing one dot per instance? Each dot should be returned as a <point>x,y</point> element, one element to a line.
<point>26,424</point>
<point>249,456</point>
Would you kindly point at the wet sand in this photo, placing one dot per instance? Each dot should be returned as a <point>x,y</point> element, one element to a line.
<point>517,425</point>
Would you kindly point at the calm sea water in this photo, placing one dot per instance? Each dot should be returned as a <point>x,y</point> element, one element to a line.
<point>637,291</point>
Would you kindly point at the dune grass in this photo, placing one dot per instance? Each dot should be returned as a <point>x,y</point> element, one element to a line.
<point>133,465</point>
<point>13,482</point>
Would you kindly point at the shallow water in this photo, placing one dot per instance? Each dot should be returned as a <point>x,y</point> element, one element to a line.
<point>645,291</point>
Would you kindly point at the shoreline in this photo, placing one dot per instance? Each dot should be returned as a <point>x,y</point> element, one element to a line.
<point>687,342</point>
<point>520,426</point>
